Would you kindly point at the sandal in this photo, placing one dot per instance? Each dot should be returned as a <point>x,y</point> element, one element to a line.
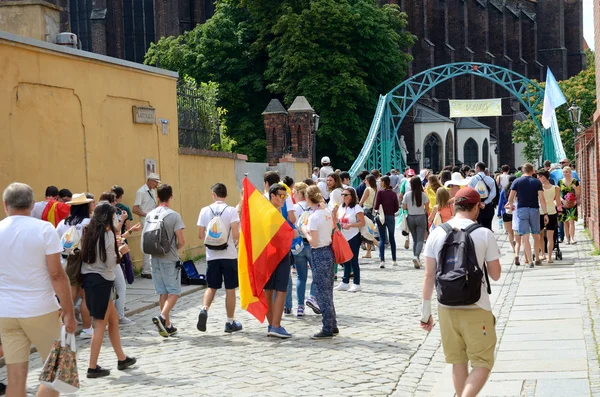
<point>366,257</point>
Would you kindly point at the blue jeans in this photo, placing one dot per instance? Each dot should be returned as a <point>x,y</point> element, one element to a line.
<point>561,230</point>
<point>352,265</point>
<point>302,261</point>
<point>322,267</point>
<point>390,225</point>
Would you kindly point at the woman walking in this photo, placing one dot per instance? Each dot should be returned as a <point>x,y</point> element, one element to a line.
<point>100,254</point>
<point>569,193</point>
<point>389,201</point>
<point>431,189</point>
<point>318,233</point>
<point>443,206</point>
<point>352,218</point>
<point>366,202</point>
<point>507,213</point>
<point>552,198</point>
<point>416,204</point>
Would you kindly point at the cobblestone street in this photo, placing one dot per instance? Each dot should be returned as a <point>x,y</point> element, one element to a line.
<point>380,350</point>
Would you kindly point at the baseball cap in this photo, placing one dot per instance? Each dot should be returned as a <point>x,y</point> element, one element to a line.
<point>325,160</point>
<point>467,195</point>
<point>410,172</point>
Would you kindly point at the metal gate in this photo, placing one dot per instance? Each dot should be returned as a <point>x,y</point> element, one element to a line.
<point>198,120</point>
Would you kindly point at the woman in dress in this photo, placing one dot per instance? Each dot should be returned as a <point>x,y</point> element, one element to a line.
<point>366,202</point>
<point>352,218</point>
<point>318,233</point>
<point>569,193</point>
<point>100,255</point>
<point>416,204</point>
<point>387,198</point>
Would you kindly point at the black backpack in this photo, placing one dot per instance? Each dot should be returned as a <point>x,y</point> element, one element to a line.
<point>458,277</point>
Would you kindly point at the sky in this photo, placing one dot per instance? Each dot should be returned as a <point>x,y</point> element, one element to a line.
<point>588,22</point>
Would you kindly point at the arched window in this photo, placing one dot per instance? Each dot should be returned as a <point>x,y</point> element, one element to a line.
<point>486,152</point>
<point>432,152</point>
<point>471,152</point>
<point>449,148</point>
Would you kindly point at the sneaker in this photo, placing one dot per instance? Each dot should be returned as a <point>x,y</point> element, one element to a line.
<point>126,321</point>
<point>269,328</point>
<point>538,262</point>
<point>382,265</point>
<point>342,287</point>
<point>279,332</point>
<point>313,305</point>
<point>416,263</point>
<point>161,325</point>
<point>202,317</point>
<point>97,372</point>
<point>517,262</point>
<point>322,335</point>
<point>287,311</point>
<point>355,288</point>
<point>128,362</point>
<point>300,311</point>
<point>336,331</point>
<point>86,333</point>
<point>406,244</point>
<point>171,330</point>
<point>233,327</point>
<point>147,275</point>
<point>394,263</point>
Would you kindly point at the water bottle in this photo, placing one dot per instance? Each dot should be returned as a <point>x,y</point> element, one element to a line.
<point>500,224</point>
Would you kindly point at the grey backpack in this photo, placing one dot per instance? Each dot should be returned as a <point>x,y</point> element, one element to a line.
<point>155,240</point>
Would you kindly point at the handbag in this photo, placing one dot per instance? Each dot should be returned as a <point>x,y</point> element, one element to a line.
<point>404,228</point>
<point>60,369</point>
<point>341,248</point>
<point>380,215</point>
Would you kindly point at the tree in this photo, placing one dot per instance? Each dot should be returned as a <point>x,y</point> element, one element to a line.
<point>339,54</point>
<point>580,89</point>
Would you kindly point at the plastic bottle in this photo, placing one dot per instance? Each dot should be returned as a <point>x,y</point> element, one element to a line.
<point>500,224</point>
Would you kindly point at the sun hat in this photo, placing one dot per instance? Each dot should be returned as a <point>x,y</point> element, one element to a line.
<point>325,160</point>
<point>79,199</point>
<point>154,177</point>
<point>467,195</point>
<point>457,180</point>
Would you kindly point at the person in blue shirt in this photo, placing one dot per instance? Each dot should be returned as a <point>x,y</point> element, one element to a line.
<point>486,187</point>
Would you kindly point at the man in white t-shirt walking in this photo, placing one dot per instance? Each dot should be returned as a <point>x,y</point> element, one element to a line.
<point>222,264</point>
<point>468,332</point>
<point>145,201</point>
<point>31,276</point>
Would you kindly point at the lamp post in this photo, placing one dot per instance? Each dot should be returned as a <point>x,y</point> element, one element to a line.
<point>575,116</point>
<point>315,128</point>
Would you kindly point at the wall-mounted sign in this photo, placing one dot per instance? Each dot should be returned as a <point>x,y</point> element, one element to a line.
<point>149,167</point>
<point>475,108</point>
<point>144,115</point>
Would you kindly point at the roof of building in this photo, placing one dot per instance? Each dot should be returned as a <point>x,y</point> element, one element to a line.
<point>425,114</point>
<point>274,107</point>
<point>300,104</point>
<point>468,123</point>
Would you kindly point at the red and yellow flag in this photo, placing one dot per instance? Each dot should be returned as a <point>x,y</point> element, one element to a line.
<point>265,239</point>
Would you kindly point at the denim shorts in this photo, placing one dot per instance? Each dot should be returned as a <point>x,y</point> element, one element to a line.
<point>529,221</point>
<point>165,276</point>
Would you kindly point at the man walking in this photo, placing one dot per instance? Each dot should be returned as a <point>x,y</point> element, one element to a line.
<point>468,332</point>
<point>145,201</point>
<point>40,206</point>
<point>165,268</point>
<point>31,277</point>
<point>222,263</point>
<point>486,187</point>
<point>530,194</point>
<point>271,178</point>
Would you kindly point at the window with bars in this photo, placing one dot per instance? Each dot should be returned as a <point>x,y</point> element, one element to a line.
<point>138,28</point>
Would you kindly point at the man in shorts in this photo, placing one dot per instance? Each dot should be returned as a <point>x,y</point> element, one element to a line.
<point>276,287</point>
<point>468,332</point>
<point>221,264</point>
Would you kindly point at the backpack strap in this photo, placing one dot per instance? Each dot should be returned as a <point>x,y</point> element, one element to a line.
<point>469,230</point>
<point>447,228</point>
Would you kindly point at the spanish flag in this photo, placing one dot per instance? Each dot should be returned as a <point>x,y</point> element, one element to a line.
<point>265,239</point>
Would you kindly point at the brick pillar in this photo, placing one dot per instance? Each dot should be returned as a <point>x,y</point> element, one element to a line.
<point>301,127</point>
<point>276,123</point>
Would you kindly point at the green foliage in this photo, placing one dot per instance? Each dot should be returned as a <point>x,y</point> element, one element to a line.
<point>581,89</point>
<point>339,54</point>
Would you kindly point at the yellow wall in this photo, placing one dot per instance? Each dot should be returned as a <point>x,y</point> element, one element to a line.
<point>43,19</point>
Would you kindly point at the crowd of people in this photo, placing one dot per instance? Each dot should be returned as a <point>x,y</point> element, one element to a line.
<point>79,264</point>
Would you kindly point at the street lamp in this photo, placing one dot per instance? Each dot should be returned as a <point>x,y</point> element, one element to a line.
<point>315,128</point>
<point>418,155</point>
<point>575,116</point>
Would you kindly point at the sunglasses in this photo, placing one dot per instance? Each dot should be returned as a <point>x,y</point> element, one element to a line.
<point>346,194</point>
<point>282,196</point>
<point>562,162</point>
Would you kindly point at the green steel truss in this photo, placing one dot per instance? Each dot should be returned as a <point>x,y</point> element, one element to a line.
<point>382,147</point>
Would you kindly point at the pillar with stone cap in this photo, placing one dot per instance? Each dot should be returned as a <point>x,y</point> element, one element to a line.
<point>276,124</point>
<point>300,121</point>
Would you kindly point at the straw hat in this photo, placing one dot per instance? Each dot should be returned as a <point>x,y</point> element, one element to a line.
<point>154,177</point>
<point>457,180</point>
<point>79,199</point>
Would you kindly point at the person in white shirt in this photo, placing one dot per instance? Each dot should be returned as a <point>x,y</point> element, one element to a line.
<point>468,332</point>
<point>221,264</point>
<point>31,277</point>
<point>145,201</point>
<point>351,216</point>
<point>318,233</point>
<point>38,208</point>
<point>326,168</point>
<point>315,174</point>
<point>334,186</point>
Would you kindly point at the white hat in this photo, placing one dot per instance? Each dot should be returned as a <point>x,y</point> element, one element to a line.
<point>325,160</point>
<point>153,177</point>
<point>79,199</point>
<point>457,180</point>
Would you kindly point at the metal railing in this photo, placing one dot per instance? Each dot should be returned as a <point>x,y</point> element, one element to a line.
<point>198,121</point>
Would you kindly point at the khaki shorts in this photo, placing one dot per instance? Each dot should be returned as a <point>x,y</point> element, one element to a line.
<point>468,335</point>
<point>18,334</point>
